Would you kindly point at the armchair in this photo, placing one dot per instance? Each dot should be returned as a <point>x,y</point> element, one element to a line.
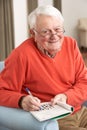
<point>1,65</point>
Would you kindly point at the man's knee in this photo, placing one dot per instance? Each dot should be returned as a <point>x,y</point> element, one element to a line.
<point>52,125</point>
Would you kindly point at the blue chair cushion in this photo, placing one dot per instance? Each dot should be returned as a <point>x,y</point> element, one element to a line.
<point>1,65</point>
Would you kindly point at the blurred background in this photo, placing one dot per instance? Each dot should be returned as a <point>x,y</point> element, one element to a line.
<point>14,25</point>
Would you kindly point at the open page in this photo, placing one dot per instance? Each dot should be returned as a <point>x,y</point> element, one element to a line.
<point>48,111</point>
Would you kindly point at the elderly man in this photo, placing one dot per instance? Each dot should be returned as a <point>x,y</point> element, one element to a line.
<point>51,66</point>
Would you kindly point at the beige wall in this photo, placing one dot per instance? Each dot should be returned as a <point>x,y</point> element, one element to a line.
<point>20,21</point>
<point>45,2</point>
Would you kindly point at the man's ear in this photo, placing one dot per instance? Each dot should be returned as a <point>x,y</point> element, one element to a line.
<point>32,32</point>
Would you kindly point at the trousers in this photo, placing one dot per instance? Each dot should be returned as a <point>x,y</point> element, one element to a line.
<point>18,119</point>
<point>77,121</point>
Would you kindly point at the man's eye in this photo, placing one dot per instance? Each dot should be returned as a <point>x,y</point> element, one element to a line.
<point>58,30</point>
<point>45,32</point>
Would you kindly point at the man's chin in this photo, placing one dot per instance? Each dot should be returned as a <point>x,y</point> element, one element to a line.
<point>53,47</point>
<point>54,50</point>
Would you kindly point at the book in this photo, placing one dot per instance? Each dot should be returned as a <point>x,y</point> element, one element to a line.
<point>47,111</point>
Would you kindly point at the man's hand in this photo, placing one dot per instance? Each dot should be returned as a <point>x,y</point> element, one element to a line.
<point>30,103</point>
<point>59,97</point>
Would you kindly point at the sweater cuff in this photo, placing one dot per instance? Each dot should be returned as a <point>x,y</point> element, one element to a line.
<point>20,102</point>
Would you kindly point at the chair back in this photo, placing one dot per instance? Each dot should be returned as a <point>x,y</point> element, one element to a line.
<point>1,65</point>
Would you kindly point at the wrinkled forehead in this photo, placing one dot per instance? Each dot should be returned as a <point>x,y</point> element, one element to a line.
<point>46,21</point>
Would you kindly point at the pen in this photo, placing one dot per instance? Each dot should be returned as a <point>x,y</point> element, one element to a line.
<point>28,91</point>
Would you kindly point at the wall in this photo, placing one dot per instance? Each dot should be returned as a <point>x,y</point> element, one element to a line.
<point>72,11</point>
<point>20,21</point>
<point>45,2</point>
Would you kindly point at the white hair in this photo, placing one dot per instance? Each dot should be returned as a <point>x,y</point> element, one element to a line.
<point>45,10</point>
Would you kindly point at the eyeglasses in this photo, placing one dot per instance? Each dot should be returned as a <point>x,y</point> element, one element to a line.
<point>48,32</point>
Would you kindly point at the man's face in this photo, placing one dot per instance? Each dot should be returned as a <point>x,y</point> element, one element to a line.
<point>48,32</point>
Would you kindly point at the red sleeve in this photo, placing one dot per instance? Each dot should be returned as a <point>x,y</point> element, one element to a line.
<point>11,80</point>
<point>78,92</point>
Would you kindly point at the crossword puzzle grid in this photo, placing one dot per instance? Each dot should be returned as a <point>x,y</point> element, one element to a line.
<point>46,106</point>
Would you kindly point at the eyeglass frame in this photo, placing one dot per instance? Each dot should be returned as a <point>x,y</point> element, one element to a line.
<point>49,33</point>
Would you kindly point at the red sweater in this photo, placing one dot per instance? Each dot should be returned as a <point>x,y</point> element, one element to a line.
<point>44,76</point>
